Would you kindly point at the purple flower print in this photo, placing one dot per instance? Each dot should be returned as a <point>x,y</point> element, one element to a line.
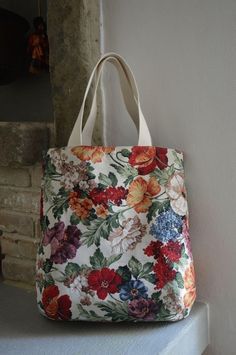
<point>64,242</point>
<point>142,308</point>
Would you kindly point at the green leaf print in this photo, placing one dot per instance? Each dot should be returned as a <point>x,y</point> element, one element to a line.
<point>72,269</point>
<point>183,253</point>
<point>156,296</point>
<point>98,260</point>
<point>74,220</point>
<point>178,160</point>
<point>164,314</point>
<point>128,180</point>
<point>60,203</point>
<point>47,265</point>
<point>135,266</point>
<point>113,221</point>
<point>152,210</point>
<point>126,171</point>
<point>89,315</point>
<point>101,228</point>
<point>146,269</point>
<point>124,272</point>
<point>112,259</point>
<point>125,152</point>
<point>96,230</point>
<point>115,311</point>
<point>157,206</point>
<point>163,175</point>
<point>141,271</point>
<point>150,278</point>
<point>113,179</point>
<point>104,179</point>
<point>48,280</point>
<point>179,280</point>
<point>50,169</point>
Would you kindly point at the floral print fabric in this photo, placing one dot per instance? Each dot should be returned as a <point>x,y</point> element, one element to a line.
<point>115,235</point>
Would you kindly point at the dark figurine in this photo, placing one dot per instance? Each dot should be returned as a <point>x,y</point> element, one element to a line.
<point>38,47</point>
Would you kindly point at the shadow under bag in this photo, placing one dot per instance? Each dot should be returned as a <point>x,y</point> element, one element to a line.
<point>115,229</point>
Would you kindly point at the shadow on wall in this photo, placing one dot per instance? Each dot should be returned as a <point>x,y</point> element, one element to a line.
<point>27,99</point>
<point>23,96</point>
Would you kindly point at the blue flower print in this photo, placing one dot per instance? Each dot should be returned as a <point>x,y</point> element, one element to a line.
<point>132,290</point>
<point>167,226</point>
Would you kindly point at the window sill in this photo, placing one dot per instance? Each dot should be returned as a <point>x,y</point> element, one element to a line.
<point>25,331</point>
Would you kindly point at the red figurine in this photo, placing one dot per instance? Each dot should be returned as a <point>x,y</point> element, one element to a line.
<point>38,47</point>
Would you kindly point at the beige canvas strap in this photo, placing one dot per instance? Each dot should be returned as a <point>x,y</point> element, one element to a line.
<point>131,98</point>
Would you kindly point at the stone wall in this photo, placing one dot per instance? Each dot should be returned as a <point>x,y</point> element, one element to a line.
<point>20,178</point>
<point>74,38</point>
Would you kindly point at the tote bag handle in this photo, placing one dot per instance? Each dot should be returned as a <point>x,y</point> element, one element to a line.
<point>127,92</point>
<point>131,98</point>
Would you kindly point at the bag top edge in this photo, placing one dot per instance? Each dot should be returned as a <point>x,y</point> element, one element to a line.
<point>116,147</point>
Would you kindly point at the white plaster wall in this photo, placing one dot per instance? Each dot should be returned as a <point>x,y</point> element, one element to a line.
<point>183,53</point>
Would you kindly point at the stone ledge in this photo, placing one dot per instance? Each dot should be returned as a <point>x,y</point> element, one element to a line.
<point>18,269</point>
<point>18,284</point>
<point>37,229</point>
<point>19,246</point>
<point>36,172</point>
<point>19,199</point>
<point>14,176</point>
<point>189,336</point>
<point>23,143</point>
<point>17,222</point>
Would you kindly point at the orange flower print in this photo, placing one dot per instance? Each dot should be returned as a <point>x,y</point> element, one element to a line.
<point>189,284</point>
<point>80,206</point>
<point>101,211</point>
<point>142,156</point>
<point>141,192</point>
<point>146,159</point>
<point>54,306</point>
<point>95,154</point>
<point>87,203</point>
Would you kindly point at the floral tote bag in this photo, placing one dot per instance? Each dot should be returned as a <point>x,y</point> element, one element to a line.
<point>115,229</point>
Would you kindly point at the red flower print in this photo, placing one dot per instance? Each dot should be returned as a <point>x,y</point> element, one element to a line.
<point>161,158</point>
<point>98,196</point>
<point>146,159</point>
<point>164,273</point>
<point>114,194</point>
<point>143,158</point>
<point>56,307</point>
<point>172,250</point>
<point>104,281</point>
<point>153,249</point>
<point>64,304</point>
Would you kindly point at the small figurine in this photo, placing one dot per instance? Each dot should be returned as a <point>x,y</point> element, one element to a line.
<point>38,47</point>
